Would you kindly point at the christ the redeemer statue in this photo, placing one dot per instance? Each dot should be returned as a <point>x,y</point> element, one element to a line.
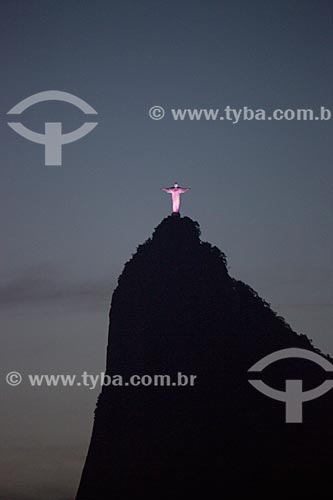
<point>175,192</point>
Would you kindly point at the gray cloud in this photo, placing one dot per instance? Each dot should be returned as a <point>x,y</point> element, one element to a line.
<point>33,289</point>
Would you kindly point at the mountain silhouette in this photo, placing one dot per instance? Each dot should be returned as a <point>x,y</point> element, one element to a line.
<point>177,310</point>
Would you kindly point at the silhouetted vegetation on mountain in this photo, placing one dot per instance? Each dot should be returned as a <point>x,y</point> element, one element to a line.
<point>176,309</point>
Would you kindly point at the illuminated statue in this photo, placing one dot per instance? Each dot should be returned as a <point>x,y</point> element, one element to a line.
<point>175,192</point>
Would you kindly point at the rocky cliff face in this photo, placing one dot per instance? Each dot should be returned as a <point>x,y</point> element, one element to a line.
<point>176,309</point>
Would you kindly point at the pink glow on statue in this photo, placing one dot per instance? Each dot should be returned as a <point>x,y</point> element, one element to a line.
<point>175,192</point>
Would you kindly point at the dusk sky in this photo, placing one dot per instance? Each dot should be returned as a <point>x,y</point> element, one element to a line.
<point>261,190</point>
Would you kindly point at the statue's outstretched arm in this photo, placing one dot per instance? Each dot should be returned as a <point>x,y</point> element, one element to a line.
<point>183,190</point>
<point>167,190</point>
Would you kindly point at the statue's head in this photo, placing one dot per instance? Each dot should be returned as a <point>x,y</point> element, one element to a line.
<point>175,185</point>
